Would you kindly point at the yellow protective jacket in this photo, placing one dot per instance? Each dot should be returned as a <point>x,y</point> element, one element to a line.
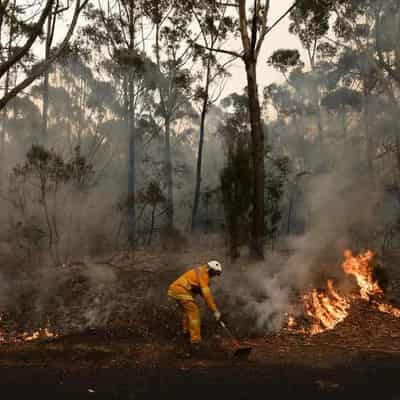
<point>194,281</point>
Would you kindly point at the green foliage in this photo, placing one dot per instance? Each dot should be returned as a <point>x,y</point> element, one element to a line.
<point>152,195</point>
<point>36,185</point>
<point>236,179</point>
<point>310,20</point>
<point>236,183</point>
<point>342,99</point>
<point>51,170</point>
<point>284,59</point>
<point>275,184</point>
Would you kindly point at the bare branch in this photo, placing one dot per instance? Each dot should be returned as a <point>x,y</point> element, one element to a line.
<point>223,51</point>
<point>243,27</point>
<point>281,18</point>
<point>42,67</point>
<point>37,30</point>
<point>254,23</point>
<point>264,28</point>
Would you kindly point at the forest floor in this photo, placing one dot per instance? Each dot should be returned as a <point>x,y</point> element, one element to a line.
<point>136,353</point>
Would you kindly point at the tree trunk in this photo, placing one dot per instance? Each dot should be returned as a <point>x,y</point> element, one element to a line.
<point>234,240</point>
<point>131,166</point>
<point>368,136</point>
<point>168,176</point>
<point>290,208</point>
<point>153,218</point>
<point>45,97</point>
<point>4,111</point>
<point>257,237</point>
<point>320,129</point>
<point>200,149</point>
<point>3,133</point>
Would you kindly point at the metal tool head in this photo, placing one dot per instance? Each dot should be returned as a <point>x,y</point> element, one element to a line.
<point>242,353</point>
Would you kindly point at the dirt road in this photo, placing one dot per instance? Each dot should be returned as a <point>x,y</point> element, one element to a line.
<point>374,378</point>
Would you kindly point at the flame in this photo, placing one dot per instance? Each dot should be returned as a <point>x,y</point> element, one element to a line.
<point>360,267</point>
<point>389,309</point>
<point>291,322</point>
<point>325,309</point>
<point>26,336</point>
<point>2,338</point>
<point>41,333</point>
<point>328,308</point>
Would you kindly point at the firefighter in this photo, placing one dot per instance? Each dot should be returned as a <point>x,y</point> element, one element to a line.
<point>192,282</point>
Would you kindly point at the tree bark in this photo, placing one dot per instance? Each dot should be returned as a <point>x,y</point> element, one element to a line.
<point>153,218</point>
<point>3,132</point>
<point>251,50</point>
<point>201,145</point>
<point>168,176</point>
<point>368,136</point>
<point>257,237</point>
<point>45,97</point>
<point>131,167</point>
<point>4,113</point>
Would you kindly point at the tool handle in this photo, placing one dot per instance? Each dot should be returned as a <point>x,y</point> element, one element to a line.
<point>234,340</point>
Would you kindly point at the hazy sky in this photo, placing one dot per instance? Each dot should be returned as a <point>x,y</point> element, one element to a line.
<point>278,38</point>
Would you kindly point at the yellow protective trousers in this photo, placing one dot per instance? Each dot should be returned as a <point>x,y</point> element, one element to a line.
<point>190,310</point>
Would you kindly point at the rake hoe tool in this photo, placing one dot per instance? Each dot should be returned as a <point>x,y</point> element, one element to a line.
<point>241,352</point>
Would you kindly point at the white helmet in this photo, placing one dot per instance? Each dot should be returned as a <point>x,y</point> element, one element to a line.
<point>215,266</point>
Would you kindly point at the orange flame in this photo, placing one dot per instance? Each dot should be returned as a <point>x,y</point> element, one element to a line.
<point>326,310</point>
<point>389,309</point>
<point>41,333</point>
<point>329,308</point>
<point>2,338</point>
<point>360,267</point>
<point>26,337</point>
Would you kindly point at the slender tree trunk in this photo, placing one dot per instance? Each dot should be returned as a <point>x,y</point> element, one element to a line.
<point>344,124</point>
<point>290,209</point>
<point>153,218</point>
<point>45,96</point>
<point>320,128</point>
<point>131,167</point>
<point>4,111</point>
<point>167,149</point>
<point>257,237</point>
<point>168,176</point>
<point>368,136</point>
<point>3,132</point>
<point>45,100</point>
<point>200,149</point>
<point>132,139</point>
<point>398,154</point>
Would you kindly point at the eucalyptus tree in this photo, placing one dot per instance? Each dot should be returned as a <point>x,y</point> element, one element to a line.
<point>116,29</point>
<point>237,175</point>
<point>54,19</point>
<point>311,25</point>
<point>174,59</point>
<point>251,26</point>
<point>214,26</point>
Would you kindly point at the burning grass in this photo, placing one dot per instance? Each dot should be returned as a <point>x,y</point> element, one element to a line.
<point>326,309</point>
<point>41,333</point>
